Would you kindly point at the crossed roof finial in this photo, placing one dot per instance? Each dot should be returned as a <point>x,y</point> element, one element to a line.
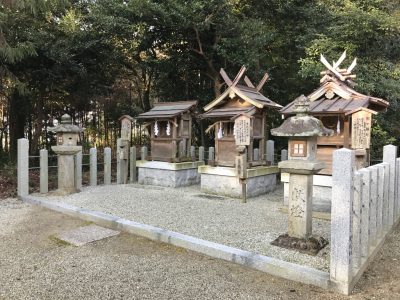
<point>342,74</point>
<point>239,75</point>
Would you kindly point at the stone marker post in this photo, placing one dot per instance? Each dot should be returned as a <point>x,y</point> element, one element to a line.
<point>122,161</point>
<point>132,165</point>
<point>107,165</point>
<point>44,171</point>
<point>123,147</point>
<point>93,166</point>
<point>23,167</point>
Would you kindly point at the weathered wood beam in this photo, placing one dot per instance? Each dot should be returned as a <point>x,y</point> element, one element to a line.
<point>262,82</point>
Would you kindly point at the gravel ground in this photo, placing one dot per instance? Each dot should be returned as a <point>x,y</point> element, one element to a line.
<point>34,265</point>
<point>251,226</point>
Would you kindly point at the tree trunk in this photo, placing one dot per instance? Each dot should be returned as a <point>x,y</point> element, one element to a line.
<point>17,113</point>
<point>37,127</point>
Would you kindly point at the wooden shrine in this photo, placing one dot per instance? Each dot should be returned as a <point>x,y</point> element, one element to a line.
<point>239,118</point>
<point>341,108</point>
<point>170,126</point>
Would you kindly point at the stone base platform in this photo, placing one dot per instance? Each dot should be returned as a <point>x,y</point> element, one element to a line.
<point>322,191</point>
<point>224,181</point>
<point>168,174</point>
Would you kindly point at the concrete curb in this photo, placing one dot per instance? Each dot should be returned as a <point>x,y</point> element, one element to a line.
<point>262,263</point>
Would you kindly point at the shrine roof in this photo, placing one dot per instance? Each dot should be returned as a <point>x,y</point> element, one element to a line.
<point>343,99</point>
<point>248,92</point>
<point>336,94</point>
<point>167,110</point>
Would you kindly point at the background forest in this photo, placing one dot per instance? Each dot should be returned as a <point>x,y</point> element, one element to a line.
<point>100,59</point>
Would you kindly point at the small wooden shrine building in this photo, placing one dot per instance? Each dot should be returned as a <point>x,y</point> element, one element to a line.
<point>239,100</point>
<point>170,125</point>
<point>341,108</point>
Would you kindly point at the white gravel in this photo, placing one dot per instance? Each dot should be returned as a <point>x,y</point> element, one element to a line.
<point>249,226</point>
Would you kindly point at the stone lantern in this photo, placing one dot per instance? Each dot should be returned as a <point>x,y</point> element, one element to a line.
<point>67,140</point>
<point>302,131</point>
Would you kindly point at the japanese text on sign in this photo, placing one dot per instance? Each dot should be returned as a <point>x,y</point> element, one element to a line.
<point>242,131</point>
<point>361,130</point>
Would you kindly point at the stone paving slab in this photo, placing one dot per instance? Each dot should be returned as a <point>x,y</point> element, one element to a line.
<point>86,234</point>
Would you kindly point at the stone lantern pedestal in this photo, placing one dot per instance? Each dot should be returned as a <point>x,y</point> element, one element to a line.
<point>300,195</point>
<point>66,168</point>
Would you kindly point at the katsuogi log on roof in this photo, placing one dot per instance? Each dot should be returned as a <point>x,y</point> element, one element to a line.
<point>170,126</point>
<point>238,99</point>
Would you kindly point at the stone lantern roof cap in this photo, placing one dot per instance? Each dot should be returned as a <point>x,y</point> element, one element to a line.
<point>66,126</point>
<point>302,124</point>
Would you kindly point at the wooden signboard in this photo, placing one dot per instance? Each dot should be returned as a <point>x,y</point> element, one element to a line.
<point>242,131</point>
<point>126,128</point>
<point>361,129</point>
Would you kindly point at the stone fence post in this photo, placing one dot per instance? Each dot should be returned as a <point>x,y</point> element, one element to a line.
<point>284,155</point>
<point>211,156</point>
<point>93,166</point>
<point>132,165</point>
<point>256,154</point>
<point>107,165</point>
<point>397,205</point>
<point>143,153</point>
<point>78,171</point>
<point>23,167</point>
<point>341,213</point>
<point>201,153</point>
<point>193,153</point>
<point>44,171</point>
<point>270,146</point>
<point>390,156</point>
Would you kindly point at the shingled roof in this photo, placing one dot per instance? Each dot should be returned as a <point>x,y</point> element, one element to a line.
<point>336,95</point>
<point>248,93</point>
<point>167,110</point>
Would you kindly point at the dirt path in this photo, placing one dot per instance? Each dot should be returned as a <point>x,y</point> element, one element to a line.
<point>34,265</point>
